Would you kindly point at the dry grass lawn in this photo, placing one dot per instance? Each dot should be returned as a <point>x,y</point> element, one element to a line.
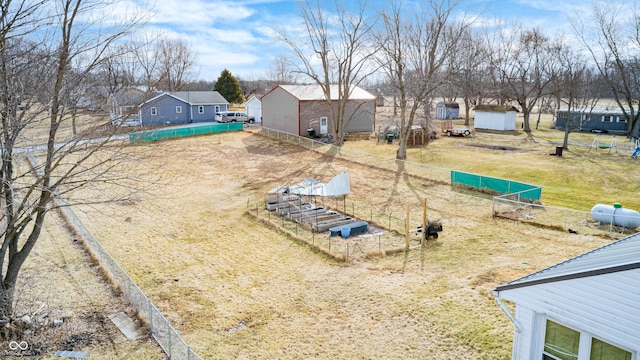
<point>236,289</point>
<point>60,282</point>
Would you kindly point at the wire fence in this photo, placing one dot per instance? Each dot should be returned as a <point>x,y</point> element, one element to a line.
<point>433,173</point>
<point>517,206</point>
<point>161,329</point>
<point>388,232</point>
<point>514,207</point>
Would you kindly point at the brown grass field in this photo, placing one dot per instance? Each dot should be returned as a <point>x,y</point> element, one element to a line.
<point>237,289</point>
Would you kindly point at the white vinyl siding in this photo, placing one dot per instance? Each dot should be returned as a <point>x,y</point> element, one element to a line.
<point>604,306</point>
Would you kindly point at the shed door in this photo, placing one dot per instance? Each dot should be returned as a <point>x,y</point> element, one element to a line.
<point>324,127</point>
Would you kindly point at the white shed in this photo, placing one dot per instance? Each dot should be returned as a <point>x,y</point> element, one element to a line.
<point>586,308</point>
<point>253,107</point>
<point>495,117</point>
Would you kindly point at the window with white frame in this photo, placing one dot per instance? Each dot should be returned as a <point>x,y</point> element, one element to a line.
<point>564,343</point>
<point>622,119</point>
<point>200,109</point>
<point>178,109</point>
<point>606,118</point>
<point>154,111</point>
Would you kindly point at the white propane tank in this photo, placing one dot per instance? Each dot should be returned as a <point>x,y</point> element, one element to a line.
<point>616,215</point>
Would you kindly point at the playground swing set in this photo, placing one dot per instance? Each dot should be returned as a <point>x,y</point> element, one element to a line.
<point>613,145</point>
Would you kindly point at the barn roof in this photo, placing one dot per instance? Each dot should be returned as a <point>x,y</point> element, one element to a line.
<point>314,92</point>
<point>495,108</point>
<point>621,255</point>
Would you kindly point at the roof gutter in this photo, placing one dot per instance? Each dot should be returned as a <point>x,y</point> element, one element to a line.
<point>504,308</point>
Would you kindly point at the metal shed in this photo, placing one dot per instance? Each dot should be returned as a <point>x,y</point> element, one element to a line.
<point>495,117</point>
<point>297,108</point>
<point>447,110</point>
<point>253,107</point>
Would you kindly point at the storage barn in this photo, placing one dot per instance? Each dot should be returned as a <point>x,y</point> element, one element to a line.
<point>300,109</point>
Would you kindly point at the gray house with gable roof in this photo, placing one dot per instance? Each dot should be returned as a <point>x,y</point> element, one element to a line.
<point>585,308</point>
<point>181,107</point>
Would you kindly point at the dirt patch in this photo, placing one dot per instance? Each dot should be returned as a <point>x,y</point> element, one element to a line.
<point>493,147</point>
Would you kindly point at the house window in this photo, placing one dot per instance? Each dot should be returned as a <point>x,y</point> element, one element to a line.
<point>606,118</point>
<point>563,343</point>
<point>217,108</point>
<point>154,111</point>
<point>600,350</point>
<point>560,342</point>
<point>178,109</point>
<point>200,109</point>
<point>622,119</point>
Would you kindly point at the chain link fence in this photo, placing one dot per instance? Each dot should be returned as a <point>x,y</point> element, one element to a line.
<point>167,337</point>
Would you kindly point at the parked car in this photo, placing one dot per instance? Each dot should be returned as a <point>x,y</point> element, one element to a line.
<point>234,116</point>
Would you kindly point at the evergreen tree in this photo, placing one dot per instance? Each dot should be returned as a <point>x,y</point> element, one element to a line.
<point>229,87</point>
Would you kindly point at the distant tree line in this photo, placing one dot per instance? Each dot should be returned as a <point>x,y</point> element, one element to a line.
<point>426,50</point>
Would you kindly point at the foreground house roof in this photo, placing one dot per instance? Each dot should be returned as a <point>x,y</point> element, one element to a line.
<point>621,255</point>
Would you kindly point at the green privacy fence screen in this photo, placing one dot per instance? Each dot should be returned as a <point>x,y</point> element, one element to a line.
<point>500,186</point>
<point>182,131</point>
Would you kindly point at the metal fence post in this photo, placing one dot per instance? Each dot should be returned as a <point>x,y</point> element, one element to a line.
<point>150,315</point>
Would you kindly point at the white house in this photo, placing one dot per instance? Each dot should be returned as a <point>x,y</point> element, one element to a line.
<point>253,107</point>
<point>585,308</point>
<point>495,117</point>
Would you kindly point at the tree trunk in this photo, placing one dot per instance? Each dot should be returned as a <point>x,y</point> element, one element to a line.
<point>467,111</point>
<point>526,113</point>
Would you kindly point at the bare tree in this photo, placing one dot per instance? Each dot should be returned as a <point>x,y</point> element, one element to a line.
<point>42,74</point>
<point>525,69</point>
<point>176,61</point>
<point>418,56</point>
<point>472,78</point>
<point>612,37</point>
<point>282,71</point>
<point>335,53</point>
<point>147,64</point>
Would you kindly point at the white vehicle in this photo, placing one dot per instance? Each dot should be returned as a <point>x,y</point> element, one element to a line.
<point>234,116</point>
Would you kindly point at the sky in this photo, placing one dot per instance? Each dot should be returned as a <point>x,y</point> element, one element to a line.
<point>239,35</point>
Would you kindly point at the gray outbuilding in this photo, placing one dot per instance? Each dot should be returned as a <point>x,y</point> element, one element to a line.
<point>298,109</point>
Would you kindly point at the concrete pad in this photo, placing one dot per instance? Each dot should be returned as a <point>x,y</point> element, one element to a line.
<point>127,326</point>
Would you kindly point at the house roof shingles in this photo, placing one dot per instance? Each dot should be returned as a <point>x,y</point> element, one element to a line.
<point>199,97</point>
